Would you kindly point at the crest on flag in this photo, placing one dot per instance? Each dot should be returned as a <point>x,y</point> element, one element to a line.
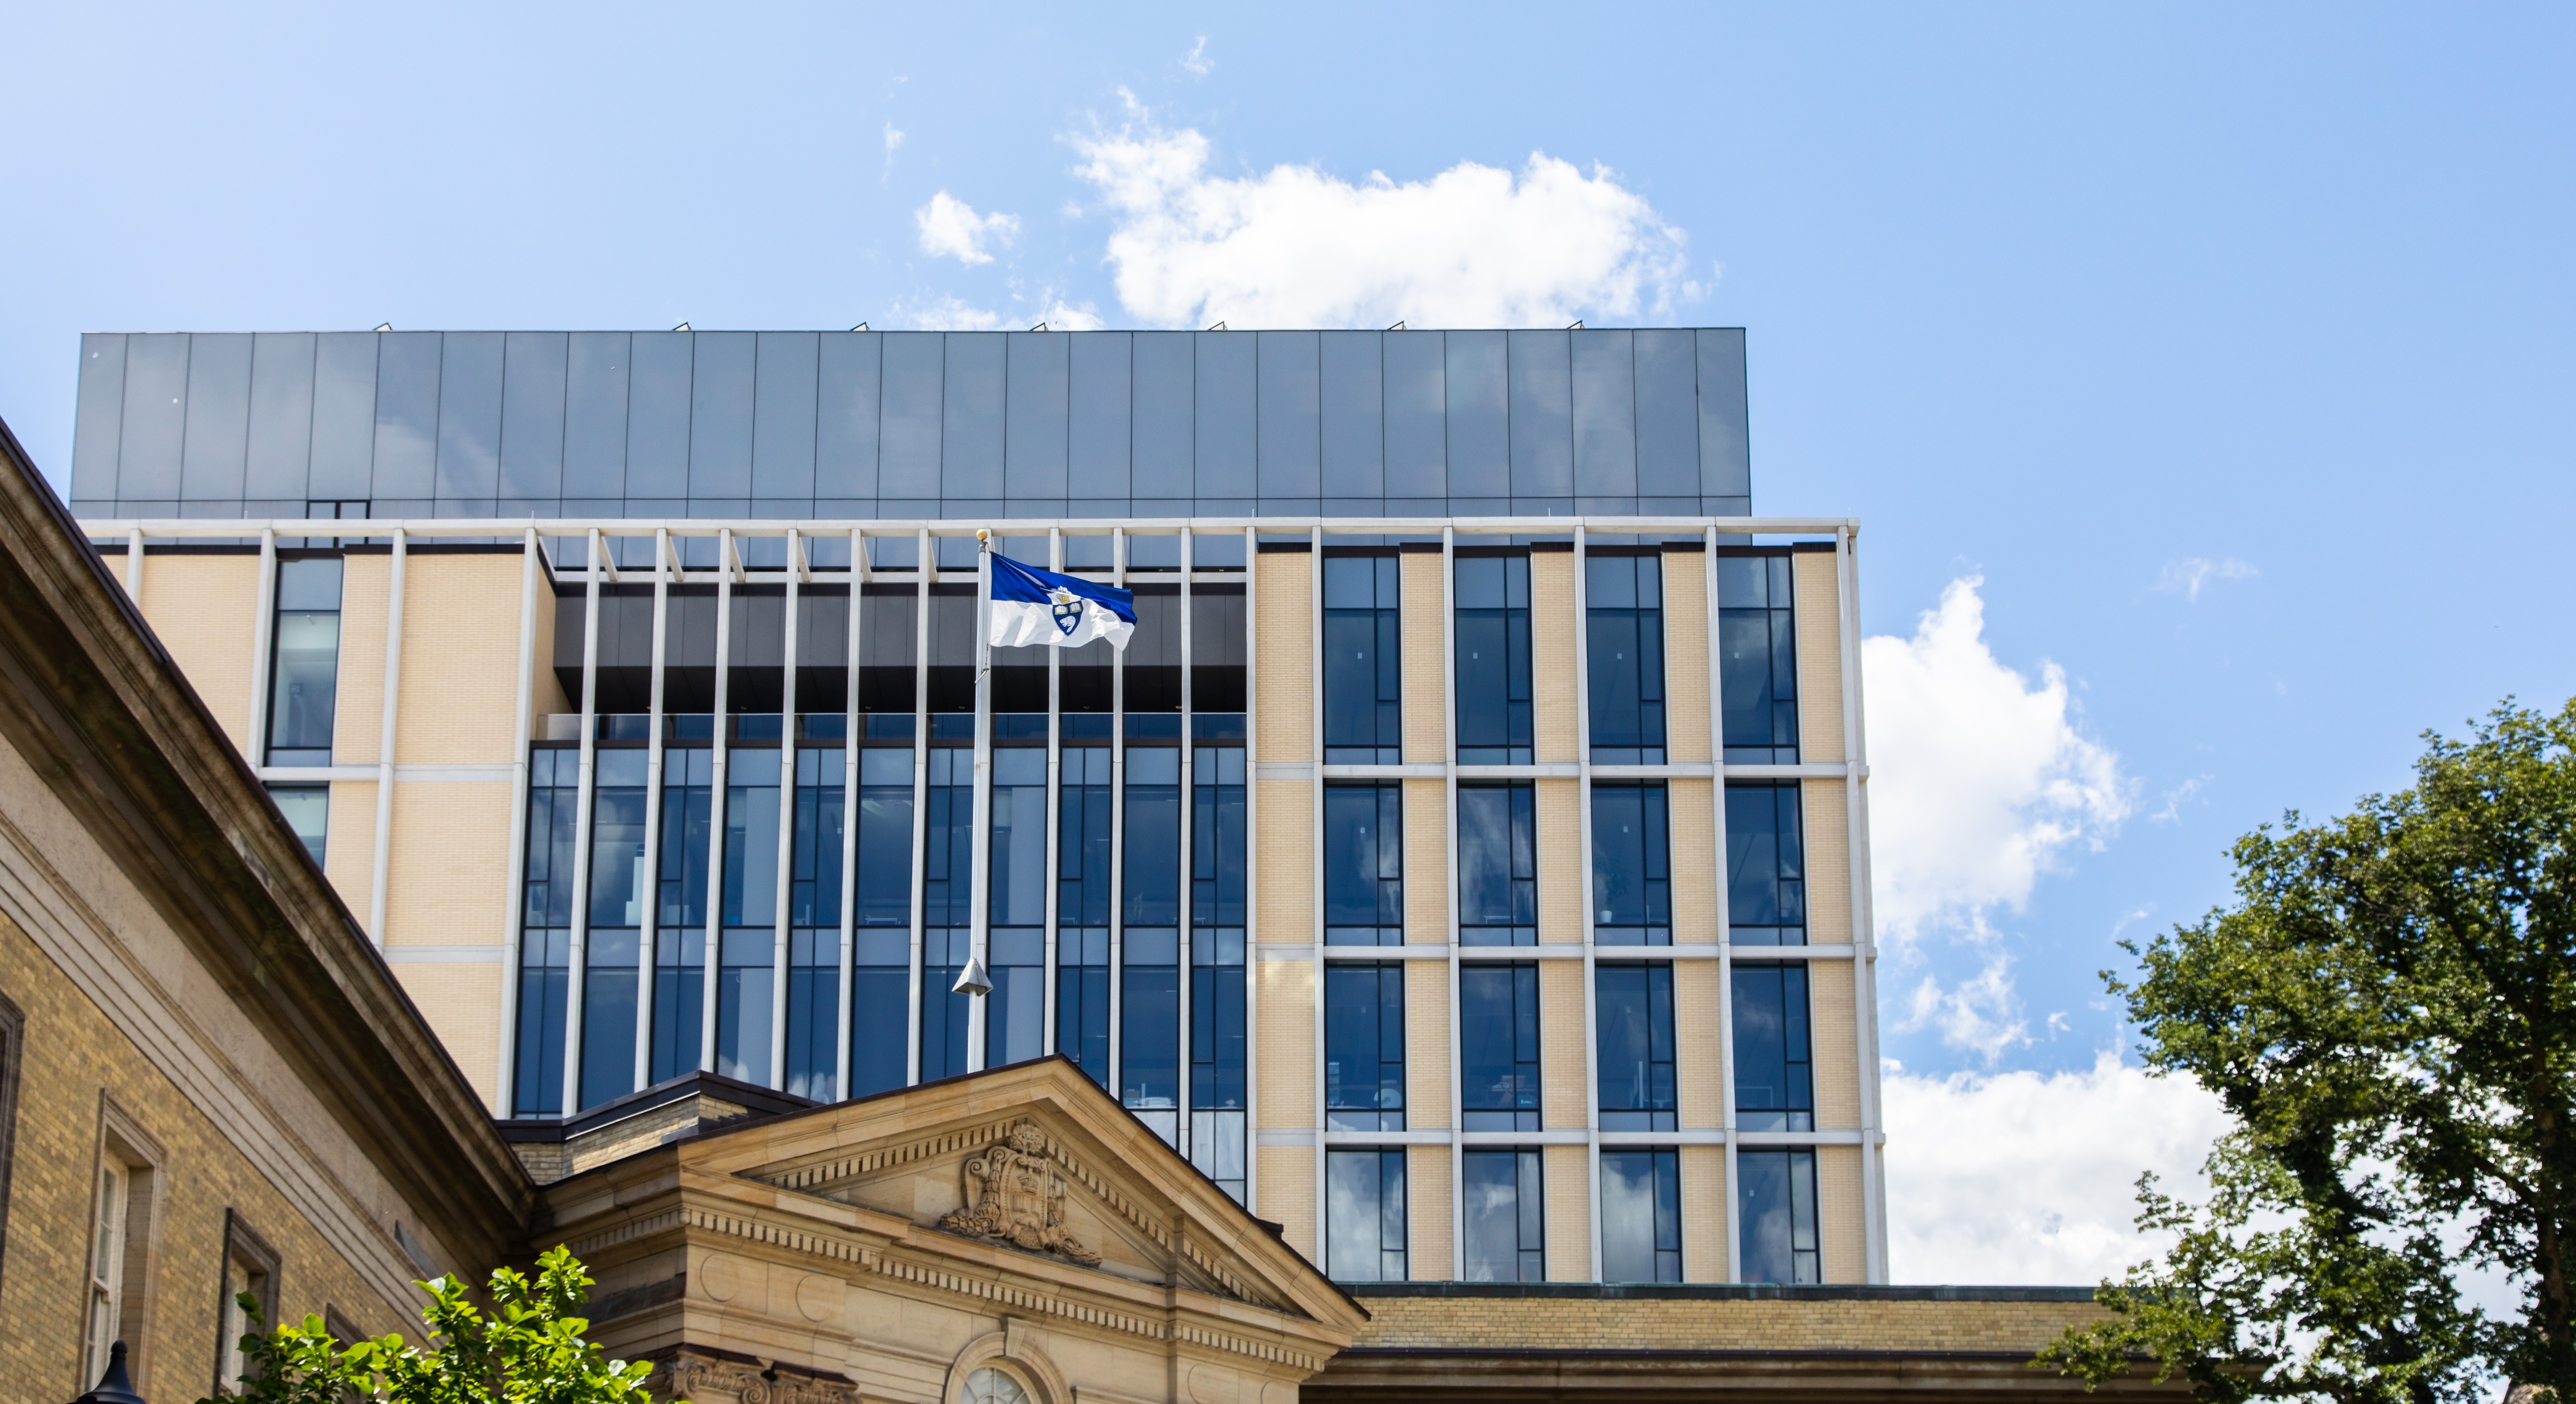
<point>1067,609</point>
<point>1044,608</point>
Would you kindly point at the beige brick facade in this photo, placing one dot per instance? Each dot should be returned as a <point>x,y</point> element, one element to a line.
<point>463,1003</point>
<point>1838,1213</point>
<point>1686,654</point>
<point>1565,1063</point>
<point>1426,1045</point>
<point>205,610</point>
<point>453,890</point>
<point>1820,659</point>
<point>1822,806</point>
<point>1699,1068</point>
<point>1426,653</point>
<point>1706,1203</point>
<point>1284,625</point>
<point>1287,1195</point>
<point>1560,861</point>
<point>1426,862</point>
<point>357,717</point>
<point>460,666</point>
<point>1568,1170</point>
<point>1693,836</point>
<point>1744,1324</point>
<point>1287,1052</point>
<point>1837,1049</point>
<point>1427,1192</point>
<point>1552,671</point>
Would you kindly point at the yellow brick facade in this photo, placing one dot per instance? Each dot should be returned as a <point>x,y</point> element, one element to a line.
<point>1286,1196</point>
<point>1568,1172</point>
<point>1699,1068</point>
<point>452,889</point>
<point>1427,1192</point>
<point>1552,671</point>
<point>1565,1064</point>
<point>1838,1213</point>
<point>1426,862</point>
<point>1820,659</point>
<point>1284,642</point>
<point>349,850</point>
<point>460,664</point>
<point>1560,861</point>
<point>357,718</point>
<point>1828,842</point>
<point>1426,1045</point>
<point>1693,836</point>
<point>1837,1050</point>
<point>1686,654</point>
<point>1426,671</point>
<point>1287,1051</point>
<point>1705,1205</point>
<point>1686,1323</point>
<point>205,610</point>
<point>463,1003</point>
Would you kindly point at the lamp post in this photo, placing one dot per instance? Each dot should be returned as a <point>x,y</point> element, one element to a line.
<point>113,1387</point>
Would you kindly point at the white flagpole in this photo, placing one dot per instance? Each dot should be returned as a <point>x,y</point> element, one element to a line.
<point>974,979</point>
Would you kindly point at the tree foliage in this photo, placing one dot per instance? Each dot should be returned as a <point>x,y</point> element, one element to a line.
<point>2388,1012</point>
<point>529,1350</point>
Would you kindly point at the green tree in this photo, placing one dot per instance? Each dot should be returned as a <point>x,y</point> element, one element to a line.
<point>2388,1012</point>
<point>529,1350</point>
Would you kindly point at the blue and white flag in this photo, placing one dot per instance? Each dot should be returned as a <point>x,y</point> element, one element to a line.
<point>1060,611</point>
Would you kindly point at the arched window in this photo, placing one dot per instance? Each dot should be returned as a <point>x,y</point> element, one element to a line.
<point>991,1386</point>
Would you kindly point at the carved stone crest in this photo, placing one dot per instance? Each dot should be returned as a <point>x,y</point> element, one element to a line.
<point>1014,1193</point>
<point>689,1375</point>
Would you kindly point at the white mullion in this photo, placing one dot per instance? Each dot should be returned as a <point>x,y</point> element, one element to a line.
<point>134,567</point>
<point>1455,934</point>
<point>787,771</point>
<point>648,937</point>
<point>512,925</point>
<point>1189,811</point>
<point>922,577</point>
<point>1251,857</point>
<point>1117,836</point>
<point>1054,804</point>
<point>713,968</point>
<point>263,638</point>
<point>979,900</point>
<point>1725,914</point>
<point>1864,936</point>
<point>385,739</point>
<point>574,985</point>
<point>845,1001</point>
<point>1315,727</point>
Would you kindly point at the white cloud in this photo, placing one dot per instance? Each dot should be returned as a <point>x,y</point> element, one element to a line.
<point>950,228</point>
<point>2187,575</point>
<point>956,314</point>
<point>1980,1015</point>
<point>1293,246</point>
<point>1979,778</point>
<point>893,139</point>
<point>2175,798</point>
<point>2026,1179</point>
<point>1197,61</point>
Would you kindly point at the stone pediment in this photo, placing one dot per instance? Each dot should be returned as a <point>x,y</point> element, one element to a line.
<point>1039,1160</point>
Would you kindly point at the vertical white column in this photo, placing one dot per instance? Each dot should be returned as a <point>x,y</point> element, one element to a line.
<point>1864,933</point>
<point>1725,914</point>
<point>786,813</point>
<point>927,572</point>
<point>1189,814</point>
<point>1315,792</point>
<point>846,1000</point>
<point>263,639</point>
<point>647,954</point>
<point>1583,828</point>
<point>385,736</point>
<point>134,567</point>
<point>530,572</point>
<point>580,827</point>
<point>979,903</point>
<point>1252,874</point>
<point>1118,838</point>
<point>713,969</point>
<point>1449,825</point>
<point>1054,798</point>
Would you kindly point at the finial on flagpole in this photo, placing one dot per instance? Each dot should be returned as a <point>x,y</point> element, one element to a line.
<point>983,539</point>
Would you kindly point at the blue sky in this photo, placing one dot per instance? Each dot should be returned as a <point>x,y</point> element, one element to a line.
<point>2228,350</point>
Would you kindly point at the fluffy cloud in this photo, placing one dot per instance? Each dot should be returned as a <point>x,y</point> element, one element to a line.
<point>2026,1179</point>
<point>1293,246</point>
<point>950,228</point>
<point>2186,576</point>
<point>1979,779</point>
<point>957,314</point>
<point>1197,61</point>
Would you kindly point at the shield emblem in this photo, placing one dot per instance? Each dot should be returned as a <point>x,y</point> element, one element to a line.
<point>1067,612</point>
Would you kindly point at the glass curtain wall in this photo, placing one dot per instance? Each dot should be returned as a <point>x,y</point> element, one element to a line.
<point>680,926</point>
<point>814,925</point>
<point>609,989</point>
<point>881,964</point>
<point>1497,864</point>
<point>748,970</point>
<point>1364,1046</point>
<point>947,908</point>
<point>1015,1012</point>
<point>1363,658</point>
<point>1776,1199</point>
<point>545,935</point>
<point>1493,657</point>
<point>1757,658</point>
<point>1364,864</point>
<point>1505,1212</point>
<point>1775,1082</point>
<point>1766,888</point>
<point>1623,602</point>
<point>304,676</point>
<point>1498,1045</point>
<point>1083,815</point>
<point>307,810</point>
<point>1641,1216</point>
<point>1149,1036</point>
<point>1364,1215</point>
<point>1219,899</point>
<point>1632,876</point>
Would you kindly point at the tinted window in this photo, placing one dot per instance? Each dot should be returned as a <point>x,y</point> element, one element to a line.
<point>1082,910</point>
<point>1776,1203</point>
<point>1497,865</point>
<point>1504,1210</point>
<point>1492,646</point>
<point>1364,1047</point>
<point>1766,889</point>
<point>1632,890</point>
<point>1363,661</point>
<point>1633,1017</point>
<point>1624,616</point>
<point>680,938</point>
<point>304,677</point>
<point>1775,1084</point>
<point>1364,865</point>
<point>1218,1053</point>
<point>1758,660</point>
<point>1364,1215</point>
<point>1641,1216</point>
<point>1498,1046</point>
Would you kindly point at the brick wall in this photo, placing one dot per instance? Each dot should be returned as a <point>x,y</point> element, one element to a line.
<point>1686,654</point>
<point>205,610</point>
<point>1552,671</point>
<point>1426,671</point>
<point>1284,635</point>
<point>1820,660</point>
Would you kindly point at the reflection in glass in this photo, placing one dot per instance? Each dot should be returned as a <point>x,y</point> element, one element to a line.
<point>814,928</point>
<point>1364,864</point>
<point>1218,1056</point>
<point>1624,611</point>
<point>1776,1202</point>
<point>1641,1216</point>
<point>1363,661</point>
<point>1082,910</point>
<point>747,973</point>
<point>1766,890</point>
<point>1758,660</point>
<point>1015,1012</point>
<point>1775,1083</point>
<point>1633,1020</point>
<point>1504,1209</point>
<point>881,964</point>
<point>308,815</point>
<point>1498,1046</point>
<point>304,675</point>
<point>617,896</point>
<point>1497,864</point>
<point>680,926</point>
<point>1632,888</point>
<point>545,943</point>
<point>1149,1054</point>
<point>1364,1047</point>
<point>947,909</point>
<point>1364,1215</point>
<point>1492,647</point>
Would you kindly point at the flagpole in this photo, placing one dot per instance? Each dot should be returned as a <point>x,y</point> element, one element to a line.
<point>976,979</point>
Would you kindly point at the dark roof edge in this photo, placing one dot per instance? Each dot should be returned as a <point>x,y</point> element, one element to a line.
<point>1720,1291</point>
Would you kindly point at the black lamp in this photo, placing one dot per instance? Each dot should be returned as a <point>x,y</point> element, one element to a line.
<point>113,1387</point>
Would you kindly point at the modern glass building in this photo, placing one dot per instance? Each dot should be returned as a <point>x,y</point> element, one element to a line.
<point>1464,866</point>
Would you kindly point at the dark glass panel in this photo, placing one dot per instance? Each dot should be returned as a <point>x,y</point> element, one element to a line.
<point>156,417</point>
<point>1039,386</point>
<point>1225,382</point>
<point>1498,1033</point>
<point>218,423</point>
<point>1725,462</point>
<point>281,417</point>
<point>469,416</point>
<point>535,368</point>
<point>1633,1025</point>
<point>1364,1047</point>
<point>1776,1204</point>
<point>1363,660</point>
<point>1505,1217</point>
<point>1364,864</point>
<point>608,992</point>
<point>1766,890</point>
<point>1605,413</point>
<point>845,434</point>
<point>1542,416</point>
<point>1497,865</point>
<point>99,417</point>
<point>1364,1215</point>
<point>657,414</point>
<point>1492,653</point>
<point>1098,420</point>
<point>1166,414</point>
<point>720,415</point>
<point>594,414</point>
<point>1291,412</point>
<point>1667,414</point>
<point>1641,1219</point>
<point>1631,864</point>
<point>1479,409</point>
<point>1417,416</point>
<point>1775,1084</point>
<point>1624,651</point>
<point>971,416</point>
